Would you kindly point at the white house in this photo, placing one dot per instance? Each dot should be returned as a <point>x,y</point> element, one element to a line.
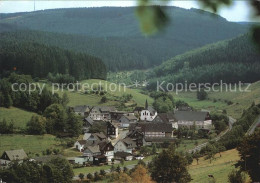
<point>101,112</point>
<point>80,145</point>
<point>125,145</point>
<point>190,119</point>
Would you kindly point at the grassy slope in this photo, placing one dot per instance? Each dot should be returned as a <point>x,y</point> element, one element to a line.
<point>79,98</point>
<point>219,168</point>
<point>30,143</point>
<point>241,100</point>
<point>19,116</point>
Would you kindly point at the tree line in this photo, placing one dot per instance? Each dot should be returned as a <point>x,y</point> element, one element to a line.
<point>38,60</point>
<point>56,117</point>
<point>35,101</point>
<point>54,171</point>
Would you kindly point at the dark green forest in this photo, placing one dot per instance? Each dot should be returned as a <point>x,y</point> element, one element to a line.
<point>38,60</point>
<point>230,61</point>
<point>113,34</point>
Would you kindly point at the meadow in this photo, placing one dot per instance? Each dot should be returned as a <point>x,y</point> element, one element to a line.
<point>19,116</point>
<point>82,98</point>
<point>32,144</point>
<point>219,168</point>
<point>218,101</point>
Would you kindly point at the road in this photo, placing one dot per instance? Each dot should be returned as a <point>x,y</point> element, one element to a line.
<point>230,125</point>
<point>253,127</point>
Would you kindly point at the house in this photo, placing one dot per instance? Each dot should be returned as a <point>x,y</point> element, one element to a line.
<point>107,149</point>
<point>148,114</point>
<point>126,119</point>
<point>125,145</point>
<point>137,136</point>
<point>12,155</point>
<point>189,119</point>
<point>123,155</point>
<point>82,110</point>
<point>99,151</point>
<point>112,130</point>
<point>91,151</point>
<point>91,137</point>
<point>88,122</point>
<point>80,145</point>
<point>101,112</point>
<point>116,115</point>
<point>153,132</point>
<point>166,118</point>
<point>156,130</point>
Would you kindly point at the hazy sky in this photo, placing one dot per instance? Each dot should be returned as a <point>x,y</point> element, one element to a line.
<point>239,11</point>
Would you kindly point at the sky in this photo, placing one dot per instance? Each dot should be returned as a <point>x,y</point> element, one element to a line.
<point>239,11</point>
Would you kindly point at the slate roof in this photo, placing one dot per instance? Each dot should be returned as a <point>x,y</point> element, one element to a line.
<point>100,135</point>
<point>130,117</point>
<point>190,115</point>
<point>81,108</point>
<point>86,136</point>
<point>82,142</point>
<point>131,134</point>
<point>158,127</point>
<point>15,154</point>
<point>164,117</point>
<point>129,142</point>
<point>152,127</point>
<point>89,120</point>
<point>104,108</point>
<point>151,110</point>
<point>94,149</point>
<point>104,144</point>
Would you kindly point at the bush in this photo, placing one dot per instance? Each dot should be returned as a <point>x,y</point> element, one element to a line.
<point>201,94</point>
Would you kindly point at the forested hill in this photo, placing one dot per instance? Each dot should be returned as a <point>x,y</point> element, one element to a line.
<point>114,52</point>
<point>113,34</point>
<point>231,61</point>
<point>38,60</point>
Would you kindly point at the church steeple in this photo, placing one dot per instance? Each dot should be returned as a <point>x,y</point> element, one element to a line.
<point>146,104</point>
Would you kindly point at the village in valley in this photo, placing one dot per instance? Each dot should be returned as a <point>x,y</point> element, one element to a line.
<point>141,93</point>
<point>124,132</point>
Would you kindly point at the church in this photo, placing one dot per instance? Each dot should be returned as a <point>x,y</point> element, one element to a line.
<point>148,114</point>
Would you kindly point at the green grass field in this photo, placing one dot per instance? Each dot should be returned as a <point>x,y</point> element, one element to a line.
<point>216,101</point>
<point>30,143</point>
<point>19,116</point>
<point>80,98</point>
<point>219,168</point>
